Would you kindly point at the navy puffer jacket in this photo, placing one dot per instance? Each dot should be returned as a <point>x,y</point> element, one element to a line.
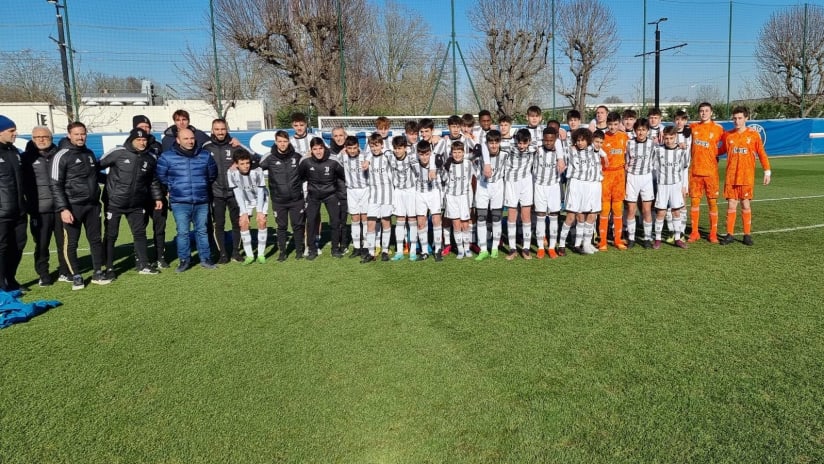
<point>187,173</point>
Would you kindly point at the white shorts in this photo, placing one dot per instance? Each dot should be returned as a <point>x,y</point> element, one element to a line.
<point>547,198</point>
<point>519,191</point>
<point>378,211</point>
<point>669,196</point>
<point>428,201</point>
<point>457,207</point>
<point>583,196</point>
<point>489,195</point>
<point>253,207</point>
<point>403,202</point>
<point>639,185</point>
<point>357,199</point>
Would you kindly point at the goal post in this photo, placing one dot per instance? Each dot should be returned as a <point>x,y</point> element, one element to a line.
<point>366,124</point>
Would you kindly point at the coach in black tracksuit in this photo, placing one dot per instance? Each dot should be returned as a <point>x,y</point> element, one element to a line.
<point>220,147</point>
<point>131,184</point>
<point>74,186</point>
<point>286,191</point>
<point>158,216</point>
<point>43,220</point>
<point>12,207</point>
<point>325,178</point>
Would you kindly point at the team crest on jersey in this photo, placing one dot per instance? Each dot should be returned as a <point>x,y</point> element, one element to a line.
<point>761,132</point>
<point>326,170</point>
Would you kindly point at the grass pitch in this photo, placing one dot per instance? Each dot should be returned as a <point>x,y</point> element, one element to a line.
<point>713,354</point>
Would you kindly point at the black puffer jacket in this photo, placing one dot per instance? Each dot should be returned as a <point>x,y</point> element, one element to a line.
<point>323,176</point>
<point>221,151</point>
<point>36,183</point>
<point>11,182</point>
<point>285,185</point>
<point>74,176</point>
<point>131,181</point>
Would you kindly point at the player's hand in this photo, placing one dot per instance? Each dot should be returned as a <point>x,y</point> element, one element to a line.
<point>561,166</point>
<point>685,191</point>
<point>233,167</point>
<point>488,171</point>
<point>365,165</point>
<point>767,178</point>
<point>66,216</point>
<point>261,218</point>
<point>433,174</point>
<point>158,205</point>
<point>243,222</point>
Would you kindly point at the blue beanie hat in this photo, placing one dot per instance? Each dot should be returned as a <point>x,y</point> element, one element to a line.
<point>6,123</point>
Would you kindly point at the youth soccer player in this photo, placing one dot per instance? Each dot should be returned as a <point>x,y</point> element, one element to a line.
<point>639,181</point>
<point>518,190</point>
<point>489,195</point>
<point>706,137</point>
<point>426,129</point>
<point>742,145</point>
<point>325,181</point>
<point>534,116</point>
<point>380,197</point>
<point>628,118</point>
<point>357,192</point>
<point>600,121</point>
<point>443,151</point>
<point>613,187</point>
<point>584,196</point>
<point>285,187</point>
<point>249,188</point>
<point>684,141</point>
<point>549,162</point>
<point>672,163</point>
<point>428,201</point>
<point>505,126</point>
<point>457,186</point>
<point>300,140</point>
<point>401,166</point>
<point>654,117</point>
<point>382,124</point>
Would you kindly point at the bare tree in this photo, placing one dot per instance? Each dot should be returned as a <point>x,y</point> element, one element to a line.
<point>588,37</point>
<point>299,37</point>
<point>790,71</point>
<point>513,57</point>
<point>708,93</point>
<point>30,77</point>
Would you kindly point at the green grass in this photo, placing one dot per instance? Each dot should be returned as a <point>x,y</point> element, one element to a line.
<point>714,354</point>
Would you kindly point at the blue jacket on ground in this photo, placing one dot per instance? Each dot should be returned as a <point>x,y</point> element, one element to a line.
<point>187,173</point>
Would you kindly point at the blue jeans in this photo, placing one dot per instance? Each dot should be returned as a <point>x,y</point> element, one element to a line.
<point>197,215</point>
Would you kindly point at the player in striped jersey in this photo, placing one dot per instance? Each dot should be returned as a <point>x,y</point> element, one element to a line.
<point>457,188</point>
<point>639,181</point>
<point>507,132</point>
<point>428,199</point>
<point>426,131</point>
<point>684,141</point>
<point>382,124</point>
<point>672,163</point>
<point>357,192</point>
<point>600,121</point>
<point>489,196</point>
<point>628,118</point>
<point>300,139</point>
<point>613,188</point>
<point>518,190</point>
<point>380,197</point>
<point>484,126</point>
<point>401,165</point>
<point>533,125</point>
<point>442,152</point>
<point>584,197</point>
<point>549,162</point>
<point>249,188</point>
<point>655,127</point>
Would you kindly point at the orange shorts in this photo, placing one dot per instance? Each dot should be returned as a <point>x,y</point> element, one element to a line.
<point>704,186</point>
<point>738,192</point>
<point>614,186</point>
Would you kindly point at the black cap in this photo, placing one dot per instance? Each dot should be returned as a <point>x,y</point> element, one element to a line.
<point>140,118</point>
<point>138,134</point>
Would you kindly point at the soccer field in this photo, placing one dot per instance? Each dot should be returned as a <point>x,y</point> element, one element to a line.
<point>711,354</point>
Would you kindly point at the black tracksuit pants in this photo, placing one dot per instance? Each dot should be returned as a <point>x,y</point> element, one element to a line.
<point>87,217</point>
<point>12,242</point>
<point>295,212</point>
<point>219,207</point>
<point>43,226</point>
<point>137,219</point>
<point>332,203</point>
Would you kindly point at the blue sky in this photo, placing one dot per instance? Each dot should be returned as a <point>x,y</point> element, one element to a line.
<point>146,38</point>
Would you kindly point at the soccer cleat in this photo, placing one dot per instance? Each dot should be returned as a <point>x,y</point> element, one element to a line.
<point>77,283</point>
<point>474,248</point>
<point>541,253</point>
<point>99,278</point>
<point>482,255</point>
<point>148,270</point>
<point>162,264</point>
<point>647,244</point>
<point>438,256</point>
<point>413,257</point>
<point>336,253</point>
<point>553,254</point>
<point>397,257</point>
<point>713,239</point>
<point>64,278</point>
<point>511,255</point>
<point>562,251</point>
<point>367,258</point>
<point>298,255</point>
<point>312,255</point>
<point>223,259</point>
<point>282,257</point>
<point>748,240</point>
<point>237,257</point>
<point>208,265</point>
<point>182,266</point>
<point>631,244</point>
<point>527,255</point>
<point>248,260</point>
<point>695,237</point>
<point>424,257</point>
<point>468,254</point>
<point>494,254</point>
<point>109,273</point>
<point>680,244</point>
<point>460,255</point>
<point>602,247</point>
<point>656,245</point>
<point>356,253</point>
<point>727,239</point>
<point>45,281</point>
<point>446,250</point>
<point>261,259</point>
<point>620,245</point>
<point>670,240</point>
<point>385,256</point>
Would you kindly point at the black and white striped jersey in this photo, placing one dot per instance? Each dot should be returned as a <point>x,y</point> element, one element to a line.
<point>301,145</point>
<point>249,189</point>
<point>518,163</point>
<point>545,166</point>
<point>585,165</point>
<point>536,135</point>
<point>497,163</point>
<point>684,138</point>
<point>443,149</point>
<point>402,174</point>
<point>671,164</point>
<point>457,177</point>
<point>639,156</point>
<point>380,179</point>
<point>656,133</point>
<point>356,177</point>
<point>422,182</point>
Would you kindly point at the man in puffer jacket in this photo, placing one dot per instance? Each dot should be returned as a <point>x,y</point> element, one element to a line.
<point>130,184</point>
<point>12,208</point>
<point>40,204</point>
<point>188,171</point>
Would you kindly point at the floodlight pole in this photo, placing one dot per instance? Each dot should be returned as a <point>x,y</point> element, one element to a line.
<point>657,53</point>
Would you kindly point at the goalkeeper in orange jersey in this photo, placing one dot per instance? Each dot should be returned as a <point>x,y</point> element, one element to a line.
<point>742,145</point>
<point>706,136</point>
<point>613,188</point>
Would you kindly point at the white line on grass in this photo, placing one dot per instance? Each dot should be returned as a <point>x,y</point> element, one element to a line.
<point>789,229</point>
<point>780,199</point>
